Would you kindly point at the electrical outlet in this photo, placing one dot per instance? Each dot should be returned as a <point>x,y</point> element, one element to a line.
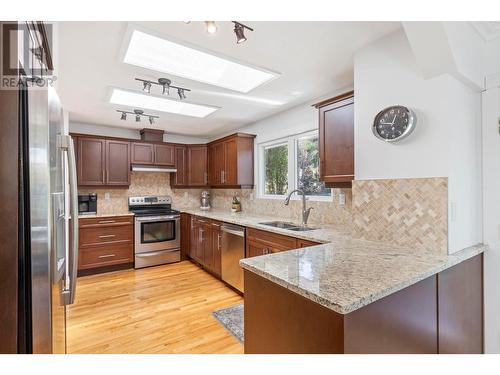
<point>106,196</point>
<point>186,194</point>
<point>251,196</point>
<point>341,198</point>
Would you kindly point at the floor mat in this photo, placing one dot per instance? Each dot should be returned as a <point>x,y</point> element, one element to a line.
<point>232,319</point>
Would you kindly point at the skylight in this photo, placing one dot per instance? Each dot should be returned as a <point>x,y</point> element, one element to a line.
<point>137,100</point>
<point>152,52</point>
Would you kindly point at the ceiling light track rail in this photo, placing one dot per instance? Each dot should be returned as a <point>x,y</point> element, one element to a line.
<point>165,84</point>
<point>138,113</point>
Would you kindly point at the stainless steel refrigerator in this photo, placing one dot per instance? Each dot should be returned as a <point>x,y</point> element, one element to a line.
<point>49,223</point>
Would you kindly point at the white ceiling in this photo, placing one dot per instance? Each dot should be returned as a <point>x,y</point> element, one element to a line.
<point>314,58</point>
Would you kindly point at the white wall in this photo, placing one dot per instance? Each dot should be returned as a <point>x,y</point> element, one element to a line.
<point>491,218</point>
<point>113,131</point>
<point>446,141</point>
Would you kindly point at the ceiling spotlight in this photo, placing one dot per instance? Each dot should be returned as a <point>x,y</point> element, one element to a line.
<point>138,114</point>
<point>146,86</point>
<point>181,93</point>
<point>124,116</point>
<point>239,30</point>
<point>211,27</point>
<point>151,120</point>
<point>165,84</point>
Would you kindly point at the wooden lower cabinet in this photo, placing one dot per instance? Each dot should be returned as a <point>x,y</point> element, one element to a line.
<point>185,235</point>
<point>440,314</point>
<point>260,242</point>
<point>105,243</point>
<point>205,244</point>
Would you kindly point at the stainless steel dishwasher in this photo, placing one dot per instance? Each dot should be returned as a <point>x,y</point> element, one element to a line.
<point>233,249</point>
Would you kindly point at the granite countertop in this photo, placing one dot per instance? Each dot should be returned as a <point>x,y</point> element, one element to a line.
<point>104,215</point>
<point>344,273</point>
<point>325,234</point>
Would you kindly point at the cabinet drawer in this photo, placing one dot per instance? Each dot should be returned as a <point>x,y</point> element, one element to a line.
<point>274,240</point>
<point>105,256</point>
<point>101,235</point>
<point>105,221</point>
<point>306,243</point>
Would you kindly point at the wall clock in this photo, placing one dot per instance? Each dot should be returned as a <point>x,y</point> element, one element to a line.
<point>394,123</point>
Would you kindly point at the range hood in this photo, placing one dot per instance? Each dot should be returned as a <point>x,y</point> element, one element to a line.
<point>145,168</point>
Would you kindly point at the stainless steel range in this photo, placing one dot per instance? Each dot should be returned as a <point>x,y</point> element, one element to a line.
<point>157,230</point>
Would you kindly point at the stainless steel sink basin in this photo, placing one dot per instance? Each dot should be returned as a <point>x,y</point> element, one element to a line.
<point>287,225</point>
<point>280,224</point>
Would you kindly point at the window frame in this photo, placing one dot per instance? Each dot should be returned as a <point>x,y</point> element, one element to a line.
<point>291,142</point>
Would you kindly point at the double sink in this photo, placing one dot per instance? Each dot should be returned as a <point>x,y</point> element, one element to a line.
<point>287,225</point>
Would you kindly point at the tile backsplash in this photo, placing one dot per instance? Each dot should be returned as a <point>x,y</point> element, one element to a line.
<point>142,183</point>
<point>408,212</point>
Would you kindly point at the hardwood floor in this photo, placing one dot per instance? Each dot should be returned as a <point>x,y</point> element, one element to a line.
<point>164,309</point>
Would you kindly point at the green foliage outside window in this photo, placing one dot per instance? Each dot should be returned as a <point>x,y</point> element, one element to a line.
<point>276,165</point>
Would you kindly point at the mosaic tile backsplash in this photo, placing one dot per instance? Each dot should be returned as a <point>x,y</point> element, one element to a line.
<point>406,212</point>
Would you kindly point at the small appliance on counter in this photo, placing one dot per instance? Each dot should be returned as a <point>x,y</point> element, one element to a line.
<point>205,200</point>
<point>87,204</point>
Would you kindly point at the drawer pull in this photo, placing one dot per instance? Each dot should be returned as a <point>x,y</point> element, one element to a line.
<point>107,221</point>
<point>108,236</point>
<point>106,256</point>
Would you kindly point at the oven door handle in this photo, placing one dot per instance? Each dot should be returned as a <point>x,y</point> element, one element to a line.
<point>154,253</point>
<point>156,218</point>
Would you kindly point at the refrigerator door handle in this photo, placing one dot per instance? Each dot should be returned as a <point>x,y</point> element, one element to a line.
<point>69,293</point>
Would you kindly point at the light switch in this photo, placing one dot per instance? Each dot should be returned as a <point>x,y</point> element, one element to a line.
<point>341,198</point>
<point>107,196</point>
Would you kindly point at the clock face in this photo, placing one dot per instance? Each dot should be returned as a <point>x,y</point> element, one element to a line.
<point>394,123</point>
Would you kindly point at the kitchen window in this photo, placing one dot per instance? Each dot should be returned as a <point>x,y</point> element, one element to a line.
<point>291,163</point>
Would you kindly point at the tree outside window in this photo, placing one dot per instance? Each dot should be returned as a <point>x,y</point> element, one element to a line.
<point>276,169</point>
<point>308,167</point>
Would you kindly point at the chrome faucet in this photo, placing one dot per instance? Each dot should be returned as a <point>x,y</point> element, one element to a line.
<point>305,212</point>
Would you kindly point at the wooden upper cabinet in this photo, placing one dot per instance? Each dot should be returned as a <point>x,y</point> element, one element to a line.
<point>164,155</point>
<point>179,178</point>
<point>91,161</point>
<point>197,165</point>
<point>336,140</point>
<point>143,153</point>
<point>117,162</point>
<point>231,161</point>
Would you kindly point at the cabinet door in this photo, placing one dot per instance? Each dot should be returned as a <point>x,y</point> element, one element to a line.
<point>231,162</point>
<point>255,248</point>
<point>214,175</point>
<point>219,158</point>
<point>336,132</point>
<point>217,246</point>
<point>179,178</point>
<point>117,162</point>
<point>194,240</point>
<point>197,165</point>
<point>164,155</point>
<point>91,161</point>
<point>143,153</point>
<point>208,249</point>
<point>185,234</point>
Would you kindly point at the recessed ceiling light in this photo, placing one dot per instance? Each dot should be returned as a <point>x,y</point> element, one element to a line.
<point>134,99</point>
<point>152,52</point>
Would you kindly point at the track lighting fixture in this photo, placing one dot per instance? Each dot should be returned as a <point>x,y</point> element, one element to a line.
<point>165,84</point>
<point>146,86</point>
<point>211,27</point>
<point>181,93</point>
<point>239,30</point>
<point>138,114</point>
